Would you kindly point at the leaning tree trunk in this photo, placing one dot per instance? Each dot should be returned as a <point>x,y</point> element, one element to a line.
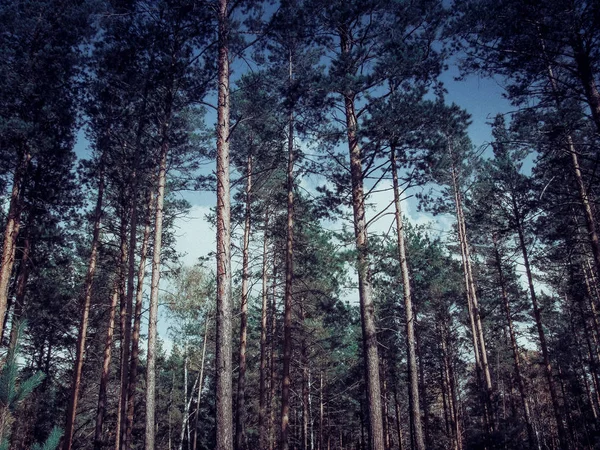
<point>154,284</point>
<point>481,360</point>
<point>367,308</point>
<point>562,436</point>
<point>85,313</point>
<point>108,343</point>
<point>224,418</point>
<point>11,232</point>
<point>289,277</point>
<point>413,390</point>
<point>137,321</point>
<point>240,433</point>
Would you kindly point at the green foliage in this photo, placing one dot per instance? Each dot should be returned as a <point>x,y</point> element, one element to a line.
<point>13,392</point>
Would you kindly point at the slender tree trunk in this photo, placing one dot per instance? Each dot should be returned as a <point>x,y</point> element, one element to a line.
<point>515,348</point>
<point>413,389</point>
<point>154,283</point>
<point>305,383</point>
<point>137,321</point>
<point>262,408</point>
<point>398,426</point>
<point>271,398</point>
<point>541,333</point>
<point>85,313</point>
<point>200,386</point>
<point>321,411</point>
<point>240,433</point>
<point>289,277</point>
<point>453,401</point>
<point>481,360</point>
<point>367,308</point>
<point>125,315</point>
<point>224,328</point>
<point>11,232</point>
<point>108,343</point>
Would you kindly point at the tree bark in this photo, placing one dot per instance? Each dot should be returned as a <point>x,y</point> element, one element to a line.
<point>85,313</point>
<point>104,377</point>
<point>224,418</point>
<point>413,383</point>
<point>240,432</point>
<point>154,283</point>
<point>11,232</point>
<point>289,277</point>
<point>367,308</point>
<point>262,407</point>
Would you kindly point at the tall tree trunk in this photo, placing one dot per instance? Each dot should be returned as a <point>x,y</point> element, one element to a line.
<point>413,383</point>
<point>367,308</point>
<point>11,232</point>
<point>305,383</point>
<point>273,347</point>
<point>541,333</point>
<point>108,343</point>
<point>514,348</point>
<point>289,278</point>
<point>262,407</point>
<point>125,316</point>
<point>85,313</point>
<point>224,418</point>
<point>154,283</point>
<point>240,433</point>
<point>137,321</point>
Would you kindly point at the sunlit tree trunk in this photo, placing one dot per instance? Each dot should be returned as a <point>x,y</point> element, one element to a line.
<point>11,232</point>
<point>413,379</point>
<point>108,343</point>
<point>154,283</point>
<point>85,313</point>
<point>224,419</point>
